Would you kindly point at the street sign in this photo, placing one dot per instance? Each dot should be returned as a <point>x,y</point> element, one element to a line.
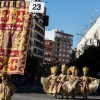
<point>36,7</point>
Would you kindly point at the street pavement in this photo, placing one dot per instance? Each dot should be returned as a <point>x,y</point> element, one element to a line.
<point>35,92</point>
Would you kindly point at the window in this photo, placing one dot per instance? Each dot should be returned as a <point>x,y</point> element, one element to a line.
<point>60,50</point>
<point>96,35</point>
<point>49,59</point>
<point>90,40</point>
<point>64,46</point>
<point>57,49</point>
<point>64,40</point>
<point>67,60</point>
<point>65,37</point>
<point>50,43</point>
<point>61,36</point>
<point>70,37</point>
<point>57,35</point>
<point>68,46</point>
<point>58,44</point>
<point>67,55</point>
<point>57,54</point>
<point>63,60</point>
<point>60,54</point>
<point>46,43</point>
<point>63,50</point>
<point>63,55</point>
<point>69,51</point>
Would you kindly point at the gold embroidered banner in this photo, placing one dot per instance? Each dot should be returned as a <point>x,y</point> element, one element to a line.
<point>15,24</point>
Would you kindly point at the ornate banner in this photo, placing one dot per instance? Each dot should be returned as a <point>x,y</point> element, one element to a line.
<point>15,22</point>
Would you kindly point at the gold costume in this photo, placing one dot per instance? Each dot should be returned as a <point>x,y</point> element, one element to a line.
<point>62,78</point>
<point>50,83</point>
<point>89,84</point>
<point>7,91</point>
<point>72,83</point>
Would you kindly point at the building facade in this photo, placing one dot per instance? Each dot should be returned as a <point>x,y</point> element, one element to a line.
<point>36,42</point>
<point>92,37</point>
<point>48,57</point>
<point>62,45</point>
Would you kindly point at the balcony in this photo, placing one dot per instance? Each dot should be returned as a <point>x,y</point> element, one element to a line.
<point>70,43</point>
<point>39,15</point>
<point>38,37</point>
<point>39,45</point>
<point>47,49</point>
<point>45,55</point>
<point>39,23</point>
<point>39,30</point>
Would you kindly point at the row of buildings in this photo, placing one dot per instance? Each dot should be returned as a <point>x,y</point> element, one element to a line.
<point>55,46</point>
<point>50,47</point>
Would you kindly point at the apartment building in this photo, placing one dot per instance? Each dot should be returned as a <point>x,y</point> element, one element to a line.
<point>48,57</point>
<point>62,45</point>
<point>36,43</point>
<point>92,37</point>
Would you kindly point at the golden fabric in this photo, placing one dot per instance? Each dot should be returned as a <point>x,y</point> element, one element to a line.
<point>46,83</point>
<point>62,78</point>
<point>7,91</point>
<point>49,84</point>
<point>71,84</point>
<point>93,85</point>
<point>15,25</point>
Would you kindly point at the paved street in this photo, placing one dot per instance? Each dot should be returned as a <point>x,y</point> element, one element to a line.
<point>35,92</point>
<point>35,96</point>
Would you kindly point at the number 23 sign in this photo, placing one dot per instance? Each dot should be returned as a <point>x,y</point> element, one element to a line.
<point>36,7</point>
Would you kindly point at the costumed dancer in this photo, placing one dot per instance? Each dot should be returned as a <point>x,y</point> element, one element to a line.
<point>89,84</point>
<point>62,81</point>
<point>7,89</point>
<point>46,83</point>
<point>72,83</point>
<point>51,87</point>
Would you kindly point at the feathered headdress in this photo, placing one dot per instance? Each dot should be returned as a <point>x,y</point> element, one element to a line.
<point>64,67</point>
<point>54,69</point>
<point>72,68</point>
<point>85,69</point>
<point>68,72</point>
<point>76,72</point>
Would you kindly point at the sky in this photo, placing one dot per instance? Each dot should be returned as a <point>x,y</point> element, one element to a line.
<point>72,16</point>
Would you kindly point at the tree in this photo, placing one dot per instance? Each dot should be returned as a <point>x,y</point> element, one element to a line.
<point>33,65</point>
<point>90,58</point>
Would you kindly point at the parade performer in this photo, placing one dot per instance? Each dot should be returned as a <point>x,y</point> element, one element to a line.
<point>89,84</point>
<point>72,83</point>
<point>62,81</point>
<point>46,83</point>
<point>7,89</point>
<point>50,83</point>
